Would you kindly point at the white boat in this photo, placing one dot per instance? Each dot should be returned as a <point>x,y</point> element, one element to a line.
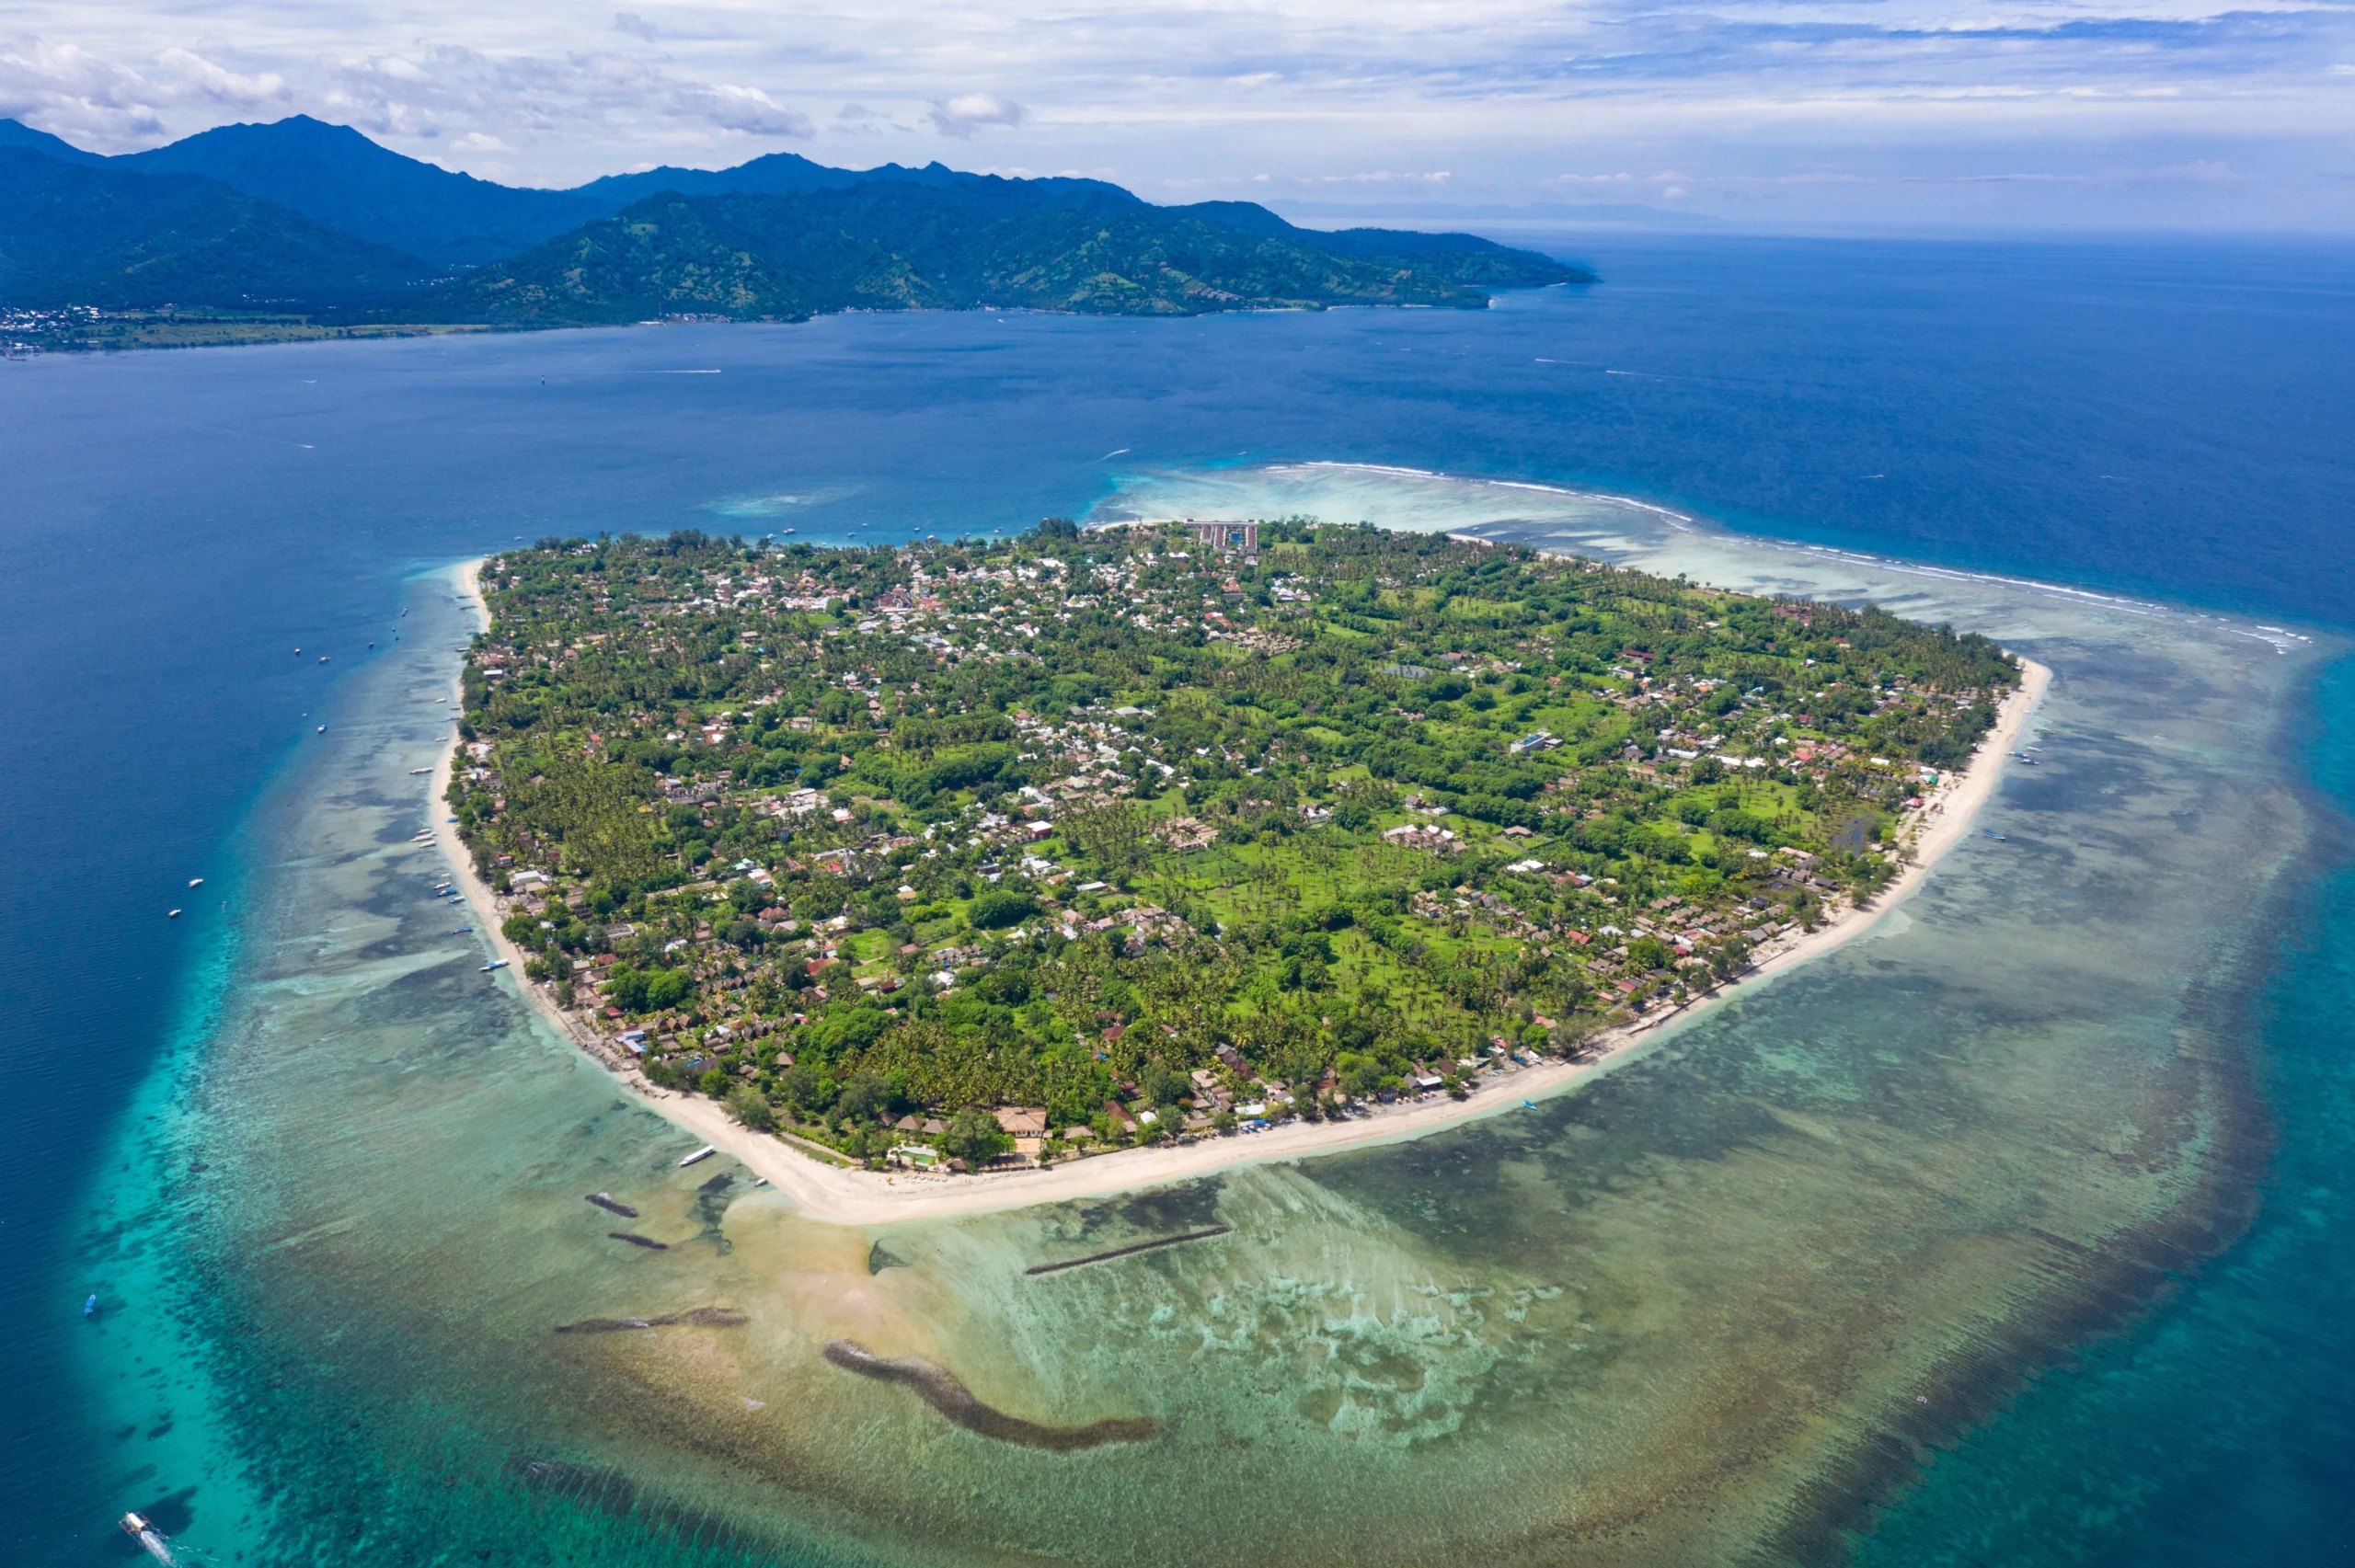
<point>702,1153</point>
<point>414,772</point>
<point>196,881</point>
<point>173,915</point>
<point>141,1528</point>
<point>494,964</point>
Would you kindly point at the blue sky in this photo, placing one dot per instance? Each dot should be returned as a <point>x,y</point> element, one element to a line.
<point>2033,113</point>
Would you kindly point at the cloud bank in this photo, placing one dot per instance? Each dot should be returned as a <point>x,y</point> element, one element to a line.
<point>2023,111</point>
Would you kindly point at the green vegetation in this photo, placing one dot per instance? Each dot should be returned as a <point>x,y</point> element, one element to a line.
<point>1062,245</point>
<point>1149,835</point>
<point>115,239</point>
<point>251,234</point>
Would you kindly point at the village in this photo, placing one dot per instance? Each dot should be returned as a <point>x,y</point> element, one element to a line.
<point>952,857</point>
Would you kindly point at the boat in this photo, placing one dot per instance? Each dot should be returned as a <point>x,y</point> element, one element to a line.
<point>196,881</point>
<point>323,729</point>
<point>90,1308</point>
<point>141,1528</point>
<point>494,964</point>
<point>706,1152</point>
<point>1529,1105</point>
<point>462,931</point>
<point>172,915</point>
<point>414,772</point>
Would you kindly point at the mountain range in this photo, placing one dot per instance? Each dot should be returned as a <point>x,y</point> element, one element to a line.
<point>308,217</point>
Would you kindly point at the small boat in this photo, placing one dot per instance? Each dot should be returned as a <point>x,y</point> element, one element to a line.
<point>462,931</point>
<point>323,659</point>
<point>706,1152</point>
<point>90,1308</point>
<point>141,1528</point>
<point>414,772</point>
<point>323,729</point>
<point>1985,833</point>
<point>1529,1105</point>
<point>172,915</point>
<point>494,964</point>
<point>196,881</point>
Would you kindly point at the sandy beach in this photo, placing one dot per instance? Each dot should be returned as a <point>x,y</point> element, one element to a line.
<point>852,1196</point>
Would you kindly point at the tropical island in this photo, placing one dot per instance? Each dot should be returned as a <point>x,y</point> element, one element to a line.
<point>962,855</point>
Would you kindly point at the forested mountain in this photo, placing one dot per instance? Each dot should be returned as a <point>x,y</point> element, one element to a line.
<point>781,174</point>
<point>907,247</point>
<point>306,217</point>
<point>15,135</point>
<point>335,176</point>
<point>75,234</point>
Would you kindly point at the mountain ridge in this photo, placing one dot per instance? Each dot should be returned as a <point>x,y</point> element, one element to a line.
<point>885,247</point>
<point>307,216</point>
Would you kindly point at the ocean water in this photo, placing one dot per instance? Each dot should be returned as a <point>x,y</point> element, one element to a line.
<point>1725,1278</point>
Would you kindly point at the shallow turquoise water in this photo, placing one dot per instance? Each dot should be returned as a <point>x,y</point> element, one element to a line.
<point>2218,1430</point>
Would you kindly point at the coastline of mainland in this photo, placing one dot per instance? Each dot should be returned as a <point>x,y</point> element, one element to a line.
<point>821,1187</point>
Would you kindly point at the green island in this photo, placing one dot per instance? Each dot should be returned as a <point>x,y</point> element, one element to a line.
<point>936,851</point>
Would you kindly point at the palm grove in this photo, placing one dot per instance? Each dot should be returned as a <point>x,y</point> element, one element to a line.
<point>1156,833</point>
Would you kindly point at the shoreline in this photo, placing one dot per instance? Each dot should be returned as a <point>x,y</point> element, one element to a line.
<point>843,1196</point>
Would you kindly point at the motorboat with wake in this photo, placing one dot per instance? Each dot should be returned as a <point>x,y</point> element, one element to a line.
<point>141,1528</point>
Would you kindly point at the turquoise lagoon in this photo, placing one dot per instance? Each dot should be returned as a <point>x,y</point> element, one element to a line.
<point>1719,1305</point>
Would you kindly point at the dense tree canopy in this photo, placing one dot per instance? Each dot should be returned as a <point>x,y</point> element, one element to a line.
<point>1144,832</point>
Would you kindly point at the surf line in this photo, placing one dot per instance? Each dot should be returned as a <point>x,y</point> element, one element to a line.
<point>1124,1252</point>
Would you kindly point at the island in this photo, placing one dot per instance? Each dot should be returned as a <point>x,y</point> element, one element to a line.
<point>940,863</point>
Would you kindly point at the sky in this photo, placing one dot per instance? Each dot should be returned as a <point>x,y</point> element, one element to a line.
<point>2013,114</point>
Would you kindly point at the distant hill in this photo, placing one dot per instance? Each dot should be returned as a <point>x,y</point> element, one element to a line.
<point>15,135</point>
<point>301,215</point>
<point>98,235</point>
<point>782,174</point>
<point>1009,244</point>
<point>335,176</point>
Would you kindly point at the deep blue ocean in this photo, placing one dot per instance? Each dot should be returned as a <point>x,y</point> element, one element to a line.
<point>2169,418</point>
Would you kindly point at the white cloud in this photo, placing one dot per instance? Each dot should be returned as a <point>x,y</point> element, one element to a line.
<point>968,113</point>
<point>749,110</point>
<point>220,86</point>
<point>1819,105</point>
